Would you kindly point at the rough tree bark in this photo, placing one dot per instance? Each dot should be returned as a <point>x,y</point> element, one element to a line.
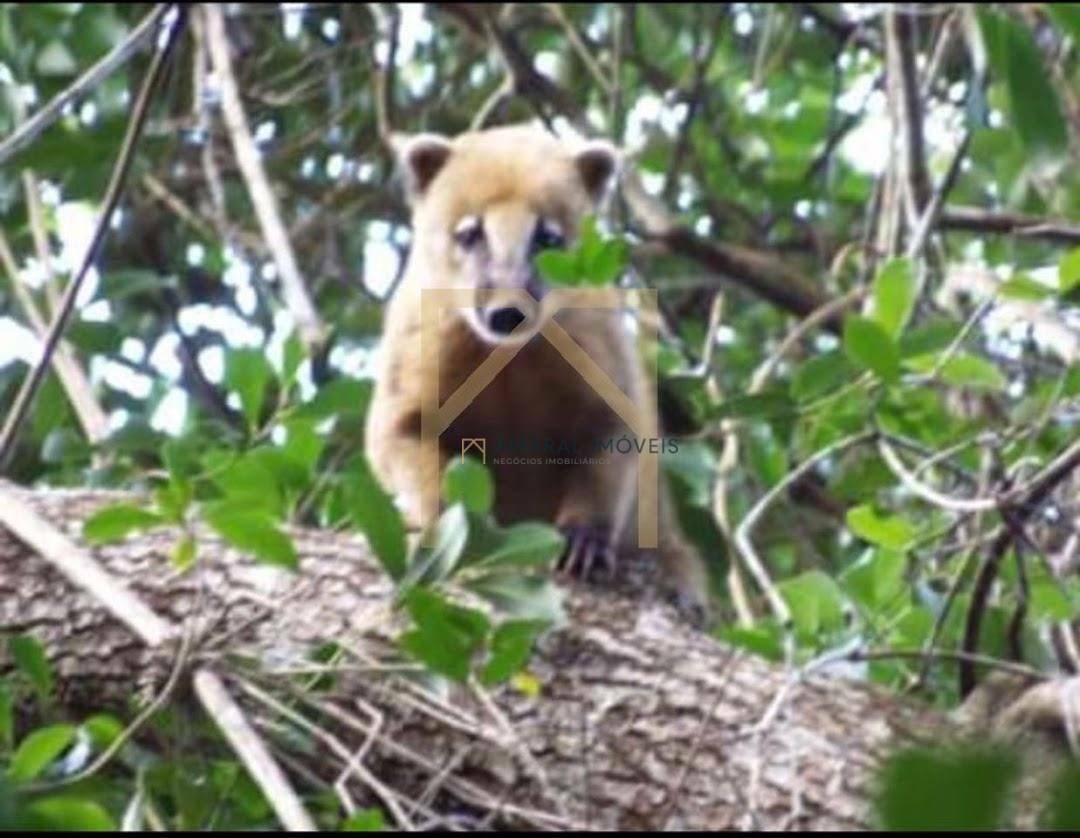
<point>640,721</point>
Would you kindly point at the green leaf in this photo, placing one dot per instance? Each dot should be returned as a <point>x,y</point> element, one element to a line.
<point>364,820</point>
<point>103,729</point>
<point>815,600</point>
<point>931,336</point>
<point>248,372</point>
<point>247,479</point>
<point>251,531</point>
<point>1069,272</point>
<point>511,646</point>
<point>7,716</point>
<point>340,397</point>
<point>946,791</point>
<point>1033,101</point>
<point>869,347</point>
<point>963,369</point>
<point>67,814</point>
<point>894,295</point>
<point>38,750</point>
<point>559,267</point>
<point>820,375</point>
<point>374,513</point>
<point>117,521</point>
<point>1023,287</point>
<point>523,597</point>
<point>183,552</point>
<point>889,531</point>
<point>765,640</point>
<point>1047,597</point>
<point>757,405</point>
<point>292,356</point>
<point>766,456</point>
<point>430,564</point>
<point>29,656</point>
<point>528,544</point>
<point>468,482</point>
<point>606,263</point>
<point>446,635</point>
<point>876,579</point>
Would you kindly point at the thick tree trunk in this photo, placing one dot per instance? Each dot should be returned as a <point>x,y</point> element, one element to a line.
<point>639,722</point>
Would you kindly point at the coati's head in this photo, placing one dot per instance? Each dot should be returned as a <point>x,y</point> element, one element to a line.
<point>485,203</point>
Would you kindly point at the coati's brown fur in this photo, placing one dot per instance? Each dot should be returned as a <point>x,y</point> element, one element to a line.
<point>482,204</point>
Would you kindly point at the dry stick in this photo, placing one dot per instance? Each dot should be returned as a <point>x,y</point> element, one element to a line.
<point>252,751</point>
<point>382,75</point>
<point>83,572</point>
<point>310,325</point>
<point>387,795</point>
<point>1035,491</point>
<point>900,59</point>
<point>68,369</point>
<point>28,130</point>
<point>499,95</point>
<point>115,188</point>
<point>579,46</point>
<point>928,493</point>
<point>41,237</point>
<point>746,526</point>
<point>91,416</point>
<point>729,458</point>
<point>957,581</point>
<point>978,220</point>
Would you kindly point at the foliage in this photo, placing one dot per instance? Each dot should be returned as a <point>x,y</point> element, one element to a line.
<point>759,127</point>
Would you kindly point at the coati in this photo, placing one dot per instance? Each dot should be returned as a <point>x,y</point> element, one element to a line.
<point>483,205</point>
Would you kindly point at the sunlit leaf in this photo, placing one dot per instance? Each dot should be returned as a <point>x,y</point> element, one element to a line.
<point>871,348</point>
<point>117,521</point>
<point>38,750</point>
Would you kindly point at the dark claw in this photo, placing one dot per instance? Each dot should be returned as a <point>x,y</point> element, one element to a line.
<point>587,548</point>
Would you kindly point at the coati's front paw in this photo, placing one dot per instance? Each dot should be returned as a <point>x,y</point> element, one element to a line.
<point>588,547</point>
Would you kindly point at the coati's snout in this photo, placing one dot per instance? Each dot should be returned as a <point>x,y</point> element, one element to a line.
<point>506,314</point>
<point>495,250</point>
<point>502,321</point>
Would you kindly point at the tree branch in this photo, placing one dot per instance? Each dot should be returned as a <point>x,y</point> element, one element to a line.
<point>29,130</point>
<point>978,220</point>
<point>312,329</point>
<point>17,413</point>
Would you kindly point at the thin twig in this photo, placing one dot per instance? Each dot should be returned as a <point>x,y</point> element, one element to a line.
<point>29,130</point>
<point>68,369</point>
<point>252,751</point>
<point>82,570</point>
<point>746,526</point>
<point>310,326</point>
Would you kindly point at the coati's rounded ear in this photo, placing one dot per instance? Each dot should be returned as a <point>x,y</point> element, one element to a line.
<point>597,162</point>
<point>421,157</point>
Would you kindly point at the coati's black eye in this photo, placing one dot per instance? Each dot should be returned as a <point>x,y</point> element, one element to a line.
<point>469,232</point>
<point>547,236</point>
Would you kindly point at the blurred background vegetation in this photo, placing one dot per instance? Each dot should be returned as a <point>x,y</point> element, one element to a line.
<point>911,169</point>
